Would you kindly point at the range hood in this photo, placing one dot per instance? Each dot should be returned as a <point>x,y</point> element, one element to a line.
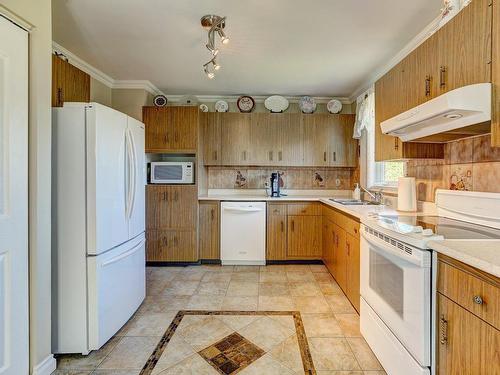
<point>456,109</point>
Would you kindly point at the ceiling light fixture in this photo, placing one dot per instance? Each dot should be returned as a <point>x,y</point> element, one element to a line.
<point>214,25</point>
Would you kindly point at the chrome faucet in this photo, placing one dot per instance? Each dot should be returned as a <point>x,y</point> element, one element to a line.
<point>377,196</point>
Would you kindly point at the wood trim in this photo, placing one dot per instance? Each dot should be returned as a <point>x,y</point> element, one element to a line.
<point>495,74</point>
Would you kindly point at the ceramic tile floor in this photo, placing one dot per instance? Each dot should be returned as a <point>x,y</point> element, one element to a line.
<point>331,324</point>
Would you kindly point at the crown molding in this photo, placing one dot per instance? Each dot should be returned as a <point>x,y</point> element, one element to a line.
<point>414,43</point>
<point>16,19</point>
<point>103,77</point>
<point>256,98</point>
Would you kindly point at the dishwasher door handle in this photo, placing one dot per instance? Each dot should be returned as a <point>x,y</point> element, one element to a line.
<point>242,209</point>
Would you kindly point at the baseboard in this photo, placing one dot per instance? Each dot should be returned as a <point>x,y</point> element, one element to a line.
<point>46,367</point>
<point>171,264</point>
<point>295,261</point>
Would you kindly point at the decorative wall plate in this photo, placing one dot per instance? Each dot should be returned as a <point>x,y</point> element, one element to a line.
<point>203,108</point>
<point>221,106</point>
<point>276,103</point>
<point>307,104</point>
<point>160,100</point>
<point>245,103</point>
<point>334,106</point>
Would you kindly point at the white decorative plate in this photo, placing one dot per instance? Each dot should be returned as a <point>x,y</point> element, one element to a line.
<point>334,106</point>
<point>307,104</point>
<point>276,103</point>
<point>221,106</point>
<point>203,108</point>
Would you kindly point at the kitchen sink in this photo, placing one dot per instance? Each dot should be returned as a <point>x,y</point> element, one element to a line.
<point>354,202</point>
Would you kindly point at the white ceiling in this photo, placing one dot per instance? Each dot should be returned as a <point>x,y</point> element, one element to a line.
<point>287,47</point>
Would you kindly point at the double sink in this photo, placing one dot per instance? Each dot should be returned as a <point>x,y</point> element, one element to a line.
<point>354,202</point>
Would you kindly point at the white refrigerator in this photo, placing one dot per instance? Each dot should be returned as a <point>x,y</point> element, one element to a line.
<point>98,220</point>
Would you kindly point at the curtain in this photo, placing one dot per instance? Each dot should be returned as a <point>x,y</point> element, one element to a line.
<point>365,114</point>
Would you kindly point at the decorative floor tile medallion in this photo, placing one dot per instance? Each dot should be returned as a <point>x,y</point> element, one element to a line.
<point>231,354</point>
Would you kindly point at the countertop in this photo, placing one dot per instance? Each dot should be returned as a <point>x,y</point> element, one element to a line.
<point>483,255</point>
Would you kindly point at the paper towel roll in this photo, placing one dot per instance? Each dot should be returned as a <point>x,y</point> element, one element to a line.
<point>407,194</point>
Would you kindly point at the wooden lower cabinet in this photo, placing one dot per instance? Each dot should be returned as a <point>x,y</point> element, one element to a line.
<point>466,344</point>
<point>304,237</point>
<point>341,252</point>
<point>171,246</point>
<point>294,231</point>
<point>209,228</point>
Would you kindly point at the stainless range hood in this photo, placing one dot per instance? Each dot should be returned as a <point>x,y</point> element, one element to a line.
<point>452,112</point>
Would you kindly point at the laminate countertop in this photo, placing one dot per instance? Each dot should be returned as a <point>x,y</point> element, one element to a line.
<point>481,254</point>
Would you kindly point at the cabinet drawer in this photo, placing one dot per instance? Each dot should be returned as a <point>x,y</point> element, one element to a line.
<point>351,226</point>
<point>304,209</point>
<point>329,213</point>
<point>470,291</point>
<point>277,209</point>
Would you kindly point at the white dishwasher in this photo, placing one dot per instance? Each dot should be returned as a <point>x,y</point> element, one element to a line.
<point>243,233</point>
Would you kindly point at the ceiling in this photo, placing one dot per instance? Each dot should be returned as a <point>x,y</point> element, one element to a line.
<point>287,47</point>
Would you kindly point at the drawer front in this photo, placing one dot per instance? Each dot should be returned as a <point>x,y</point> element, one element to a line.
<point>329,213</point>
<point>304,209</point>
<point>351,227</point>
<point>277,209</point>
<point>471,292</point>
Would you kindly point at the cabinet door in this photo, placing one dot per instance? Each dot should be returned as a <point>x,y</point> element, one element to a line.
<point>352,247</point>
<point>183,246</point>
<point>156,128</point>
<point>340,258</point>
<point>464,46</point>
<point>235,138</point>
<point>211,137</point>
<point>290,149</point>
<point>342,147</point>
<point>209,228</point>
<point>495,75</point>
<point>183,128</point>
<point>183,206</point>
<point>424,83</point>
<point>264,138</point>
<point>276,232</point>
<point>158,211</point>
<point>316,139</point>
<point>69,84</point>
<point>328,244</point>
<point>171,246</point>
<point>465,343</point>
<point>304,237</point>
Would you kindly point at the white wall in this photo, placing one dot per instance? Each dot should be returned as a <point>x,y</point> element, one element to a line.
<point>38,13</point>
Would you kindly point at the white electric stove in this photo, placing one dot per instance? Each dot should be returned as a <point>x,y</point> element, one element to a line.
<point>397,280</point>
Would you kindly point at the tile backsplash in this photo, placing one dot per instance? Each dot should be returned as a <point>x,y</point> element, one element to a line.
<point>469,164</point>
<point>292,178</point>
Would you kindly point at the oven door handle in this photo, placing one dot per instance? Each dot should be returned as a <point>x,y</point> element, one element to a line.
<point>381,247</point>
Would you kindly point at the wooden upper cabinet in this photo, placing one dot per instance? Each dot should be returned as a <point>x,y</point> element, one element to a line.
<point>210,130</point>
<point>343,148</point>
<point>235,138</point>
<point>290,150</point>
<point>171,129</point>
<point>464,48</point>
<point>316,139</point>
<point>69,84</point>
<point>465,343</point>
<point>209,222</point>
<point>264,135</point>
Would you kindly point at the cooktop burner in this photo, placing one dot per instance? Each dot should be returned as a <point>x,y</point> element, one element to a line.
<point>448,228</point>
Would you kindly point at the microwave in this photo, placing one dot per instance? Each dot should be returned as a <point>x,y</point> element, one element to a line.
<point>171,172</point>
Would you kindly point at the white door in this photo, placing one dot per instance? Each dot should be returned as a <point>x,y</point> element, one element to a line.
<point>138,178</point>
<point>106,179</point>
<point>13,199</point>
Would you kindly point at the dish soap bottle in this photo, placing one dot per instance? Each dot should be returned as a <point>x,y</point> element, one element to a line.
<point>356,194</point>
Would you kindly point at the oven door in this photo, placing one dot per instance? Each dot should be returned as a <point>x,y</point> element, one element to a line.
<point>397,286</point>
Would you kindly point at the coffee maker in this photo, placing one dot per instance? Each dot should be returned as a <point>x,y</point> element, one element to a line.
<point>275,184</point>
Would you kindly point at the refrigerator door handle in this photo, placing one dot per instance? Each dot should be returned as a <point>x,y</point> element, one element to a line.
<point>124,255</point>
<point>133,173</point>
<point>130,160</point>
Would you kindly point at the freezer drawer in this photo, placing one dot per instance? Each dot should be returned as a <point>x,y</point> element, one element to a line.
<point>116,288</point>
<point>243,233</point>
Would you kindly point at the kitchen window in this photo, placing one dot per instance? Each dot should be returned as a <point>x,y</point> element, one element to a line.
<point>382,175</point>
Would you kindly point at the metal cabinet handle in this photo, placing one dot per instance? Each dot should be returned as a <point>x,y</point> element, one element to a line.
<point>215,153</point>
<point>270,156</point>
<point>442,77</point>
<point>244,154</point>
<point>348,245</point>
<point>477,300</point>
<point>165,241</point>
<point>282,226</point>
<point>336,240</point>
<point>293,226</point>
<point>280,155</point>
<point>334,156</point>
<point>324,156</point>
<point>175,241</point>
<point>165,196</point>
<point>428,86</point>
<point>396,143</point>
<point>60,98</point>
<point>212,214</point>
<point>443,330</point>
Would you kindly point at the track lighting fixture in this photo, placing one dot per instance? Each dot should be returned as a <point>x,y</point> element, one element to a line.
<point>215,26</point>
